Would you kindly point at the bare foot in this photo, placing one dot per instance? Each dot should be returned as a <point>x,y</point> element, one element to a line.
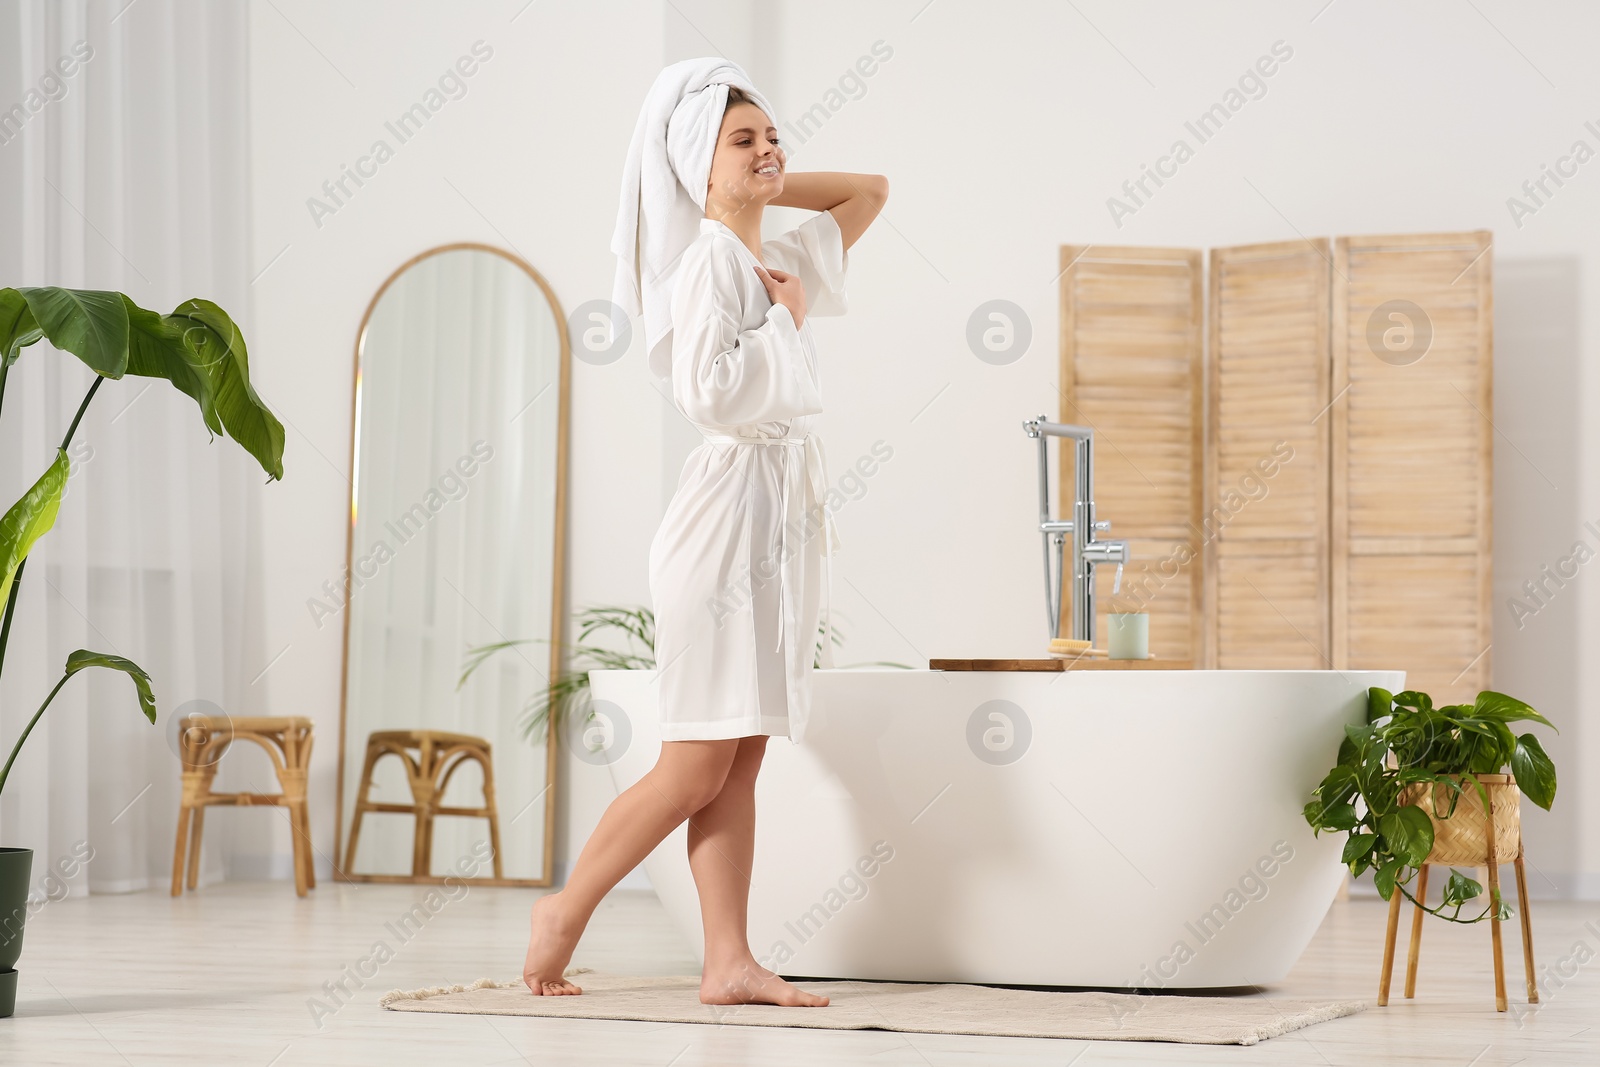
<point>750,983</point>
<point>553,937</point>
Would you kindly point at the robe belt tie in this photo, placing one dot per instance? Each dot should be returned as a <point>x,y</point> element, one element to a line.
<point>816,472</point>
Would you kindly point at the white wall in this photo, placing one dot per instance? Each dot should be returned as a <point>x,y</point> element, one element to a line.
<point>1003,129</point>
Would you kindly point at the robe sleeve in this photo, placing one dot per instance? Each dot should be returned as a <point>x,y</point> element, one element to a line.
<point>815,251</point>
<point>725,376</point>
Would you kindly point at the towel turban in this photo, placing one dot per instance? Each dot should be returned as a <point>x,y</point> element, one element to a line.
<point>664,189</point>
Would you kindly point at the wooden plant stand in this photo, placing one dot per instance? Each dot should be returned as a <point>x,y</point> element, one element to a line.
<point>1471,837</point>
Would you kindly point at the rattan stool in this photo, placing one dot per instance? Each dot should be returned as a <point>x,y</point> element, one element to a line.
<point>437,756</point>
<point>287,741</point>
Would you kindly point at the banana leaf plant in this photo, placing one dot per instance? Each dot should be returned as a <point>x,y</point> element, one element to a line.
<point>1406,740</point>
<point>197,348</point>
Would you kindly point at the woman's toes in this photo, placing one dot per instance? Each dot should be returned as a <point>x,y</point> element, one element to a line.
<point>792,995</point>
<point>550,987</point>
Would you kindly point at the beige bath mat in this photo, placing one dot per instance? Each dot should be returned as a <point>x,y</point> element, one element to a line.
<point>909,1007</point>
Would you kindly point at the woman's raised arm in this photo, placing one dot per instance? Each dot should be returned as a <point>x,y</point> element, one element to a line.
<point>854,199</point>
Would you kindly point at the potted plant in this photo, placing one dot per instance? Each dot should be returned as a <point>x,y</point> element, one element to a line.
<point>1399,778</point>
<point>200,351</point>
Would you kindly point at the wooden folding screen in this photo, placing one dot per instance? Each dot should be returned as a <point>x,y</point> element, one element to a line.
<point>1320,497</point>
<point>1131,369</point>
<point>1265,522</point>
<point>1412,447</point>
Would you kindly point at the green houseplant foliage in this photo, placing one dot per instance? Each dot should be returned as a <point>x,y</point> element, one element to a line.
<point>1407,740</point>
<point>569,693</point>
<point>197,348</point>
<point>75,663</point>
<point>201,352</point>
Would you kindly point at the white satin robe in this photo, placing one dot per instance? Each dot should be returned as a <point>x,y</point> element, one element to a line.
<point>738,565</point>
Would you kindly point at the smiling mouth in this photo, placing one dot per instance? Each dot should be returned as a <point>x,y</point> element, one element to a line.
<point>770,170</point>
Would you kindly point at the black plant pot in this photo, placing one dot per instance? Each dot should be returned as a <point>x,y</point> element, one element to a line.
<point>15,866</point>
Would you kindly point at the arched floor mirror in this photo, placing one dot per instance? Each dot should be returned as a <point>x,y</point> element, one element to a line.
<point>454,557</point>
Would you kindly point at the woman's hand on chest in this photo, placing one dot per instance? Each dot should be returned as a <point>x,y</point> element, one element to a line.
<point>784,288</point>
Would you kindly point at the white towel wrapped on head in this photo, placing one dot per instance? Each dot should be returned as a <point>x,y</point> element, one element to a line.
<point>664,189</point>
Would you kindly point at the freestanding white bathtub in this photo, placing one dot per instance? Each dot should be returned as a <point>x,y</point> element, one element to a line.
<point>1110,828</point>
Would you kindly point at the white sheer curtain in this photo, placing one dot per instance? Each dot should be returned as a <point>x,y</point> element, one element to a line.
<point>129,173</point>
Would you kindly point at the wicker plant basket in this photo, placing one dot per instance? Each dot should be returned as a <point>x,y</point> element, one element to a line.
<point>1463,839</point>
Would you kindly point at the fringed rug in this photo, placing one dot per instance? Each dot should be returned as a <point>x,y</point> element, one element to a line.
<point>910,1007</point>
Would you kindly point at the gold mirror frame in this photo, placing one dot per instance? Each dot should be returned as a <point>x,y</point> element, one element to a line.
<point>556,593</point>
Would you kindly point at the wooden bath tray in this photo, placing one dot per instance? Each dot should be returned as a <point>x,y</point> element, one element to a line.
<point>1052,663</point>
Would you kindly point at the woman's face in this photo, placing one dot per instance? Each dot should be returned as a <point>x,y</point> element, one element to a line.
<point>747,166</point>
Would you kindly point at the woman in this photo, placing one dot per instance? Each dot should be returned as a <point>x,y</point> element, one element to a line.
<point>734,565</point>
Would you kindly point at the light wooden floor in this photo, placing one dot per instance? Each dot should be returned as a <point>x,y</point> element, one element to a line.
<point>226,976</point>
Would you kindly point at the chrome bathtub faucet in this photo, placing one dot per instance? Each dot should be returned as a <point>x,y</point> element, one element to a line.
<point>1088,551</point>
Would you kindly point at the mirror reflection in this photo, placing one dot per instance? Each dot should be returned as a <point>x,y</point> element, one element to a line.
<point>455,545</point>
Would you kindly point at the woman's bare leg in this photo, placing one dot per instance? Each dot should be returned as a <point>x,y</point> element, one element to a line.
<point>686,776</point>
<point>721,855</point>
